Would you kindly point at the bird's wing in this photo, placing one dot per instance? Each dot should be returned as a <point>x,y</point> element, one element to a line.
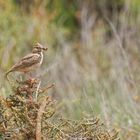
<point>30,59</point>
<point>27,61</point>
<point>27,56</point>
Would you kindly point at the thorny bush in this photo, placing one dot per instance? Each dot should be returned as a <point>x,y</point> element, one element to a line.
<point>26,115</point>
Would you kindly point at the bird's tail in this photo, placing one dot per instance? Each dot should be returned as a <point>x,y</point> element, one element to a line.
<point>8,79</point>
<point>6,74</point>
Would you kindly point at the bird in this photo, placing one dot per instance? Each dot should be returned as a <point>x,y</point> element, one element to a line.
<point>29,62</point>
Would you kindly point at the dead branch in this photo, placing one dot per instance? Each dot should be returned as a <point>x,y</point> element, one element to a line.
<point>39,118</point>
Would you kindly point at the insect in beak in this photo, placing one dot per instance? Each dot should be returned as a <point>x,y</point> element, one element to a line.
<point>45,49</point>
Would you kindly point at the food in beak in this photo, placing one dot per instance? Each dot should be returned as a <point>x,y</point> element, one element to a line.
<point>45,49</point>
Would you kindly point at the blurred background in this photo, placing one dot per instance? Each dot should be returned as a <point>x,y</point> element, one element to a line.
<point>93,56</point>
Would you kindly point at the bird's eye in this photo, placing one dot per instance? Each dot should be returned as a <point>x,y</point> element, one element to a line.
<point>37,47</point>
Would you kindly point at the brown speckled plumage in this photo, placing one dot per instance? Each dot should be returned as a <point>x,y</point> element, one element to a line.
<point>30,61</point>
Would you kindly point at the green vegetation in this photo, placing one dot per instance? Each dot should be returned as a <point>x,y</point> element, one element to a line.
<point>93,55</point>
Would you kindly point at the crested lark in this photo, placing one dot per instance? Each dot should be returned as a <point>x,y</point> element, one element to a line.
<point>31,61</point>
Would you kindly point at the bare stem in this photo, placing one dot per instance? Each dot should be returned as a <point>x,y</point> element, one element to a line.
<point>39,118</point>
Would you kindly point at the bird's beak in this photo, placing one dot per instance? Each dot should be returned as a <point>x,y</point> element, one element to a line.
<point>45,49</point>
<point>41,46</point>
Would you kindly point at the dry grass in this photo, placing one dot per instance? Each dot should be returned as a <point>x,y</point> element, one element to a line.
<point>95,74</point>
